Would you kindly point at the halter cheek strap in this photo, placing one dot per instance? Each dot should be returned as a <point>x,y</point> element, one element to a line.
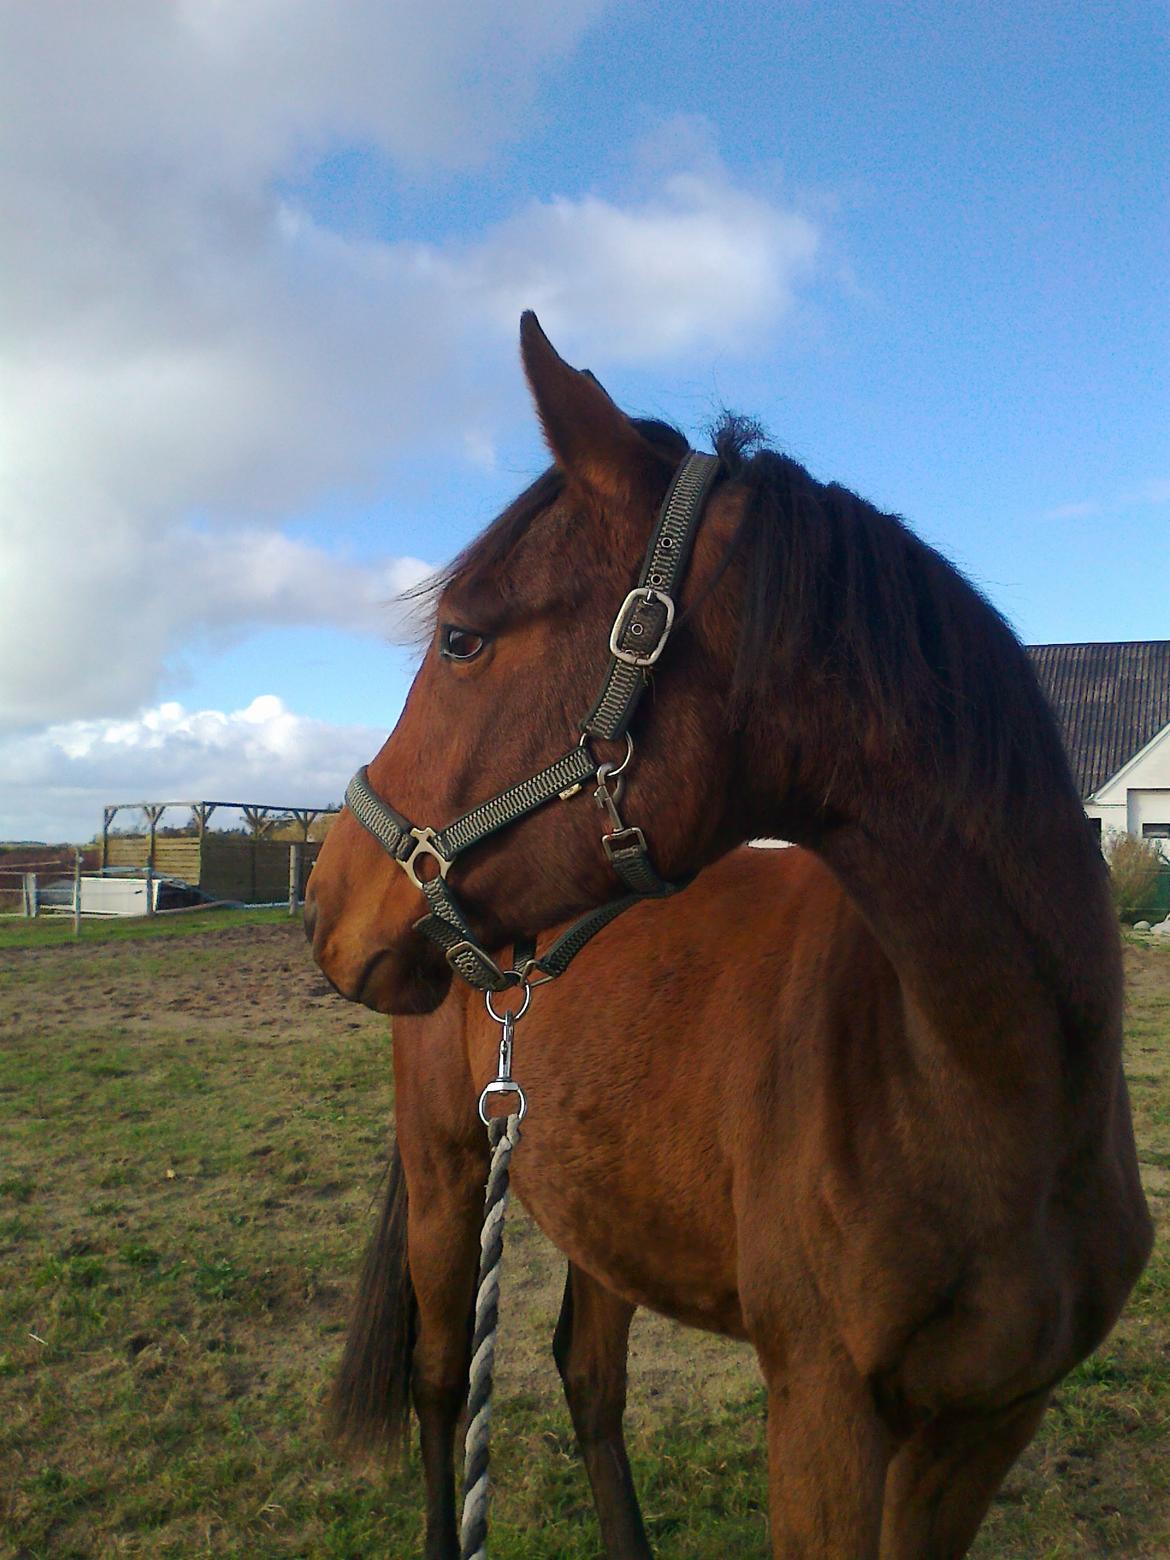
<point>637,640</point>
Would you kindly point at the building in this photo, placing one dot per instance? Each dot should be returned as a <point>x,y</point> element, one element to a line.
<point>1113,705</point>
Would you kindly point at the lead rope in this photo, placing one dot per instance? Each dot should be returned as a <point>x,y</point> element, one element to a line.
<point>503,1135</point>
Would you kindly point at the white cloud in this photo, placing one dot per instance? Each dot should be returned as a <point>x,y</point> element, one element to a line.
<point>104,618</point>
<point>1153,492</point>
<point>56,781</point>
<point>179,343</point>
<point>224,90</point>
<point>701,265</point>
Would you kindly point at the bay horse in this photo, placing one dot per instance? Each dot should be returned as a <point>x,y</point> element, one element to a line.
<point>879,1125</point>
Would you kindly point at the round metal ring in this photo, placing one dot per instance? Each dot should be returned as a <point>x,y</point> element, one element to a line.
<point>625,763</point>
<point>584,741</point>
<point>502,1086</point>
<point>518,1013</point>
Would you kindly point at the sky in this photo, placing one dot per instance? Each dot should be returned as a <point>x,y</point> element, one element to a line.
<point>260,285</point>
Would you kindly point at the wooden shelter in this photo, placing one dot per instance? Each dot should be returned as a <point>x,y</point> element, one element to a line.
<point>251,867</point>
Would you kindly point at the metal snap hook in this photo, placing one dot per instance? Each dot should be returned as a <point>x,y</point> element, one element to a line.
<point>503,1082</point>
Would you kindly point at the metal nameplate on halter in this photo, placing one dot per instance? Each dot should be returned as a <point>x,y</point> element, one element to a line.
<point>627,622</point>
<point>424,845</point>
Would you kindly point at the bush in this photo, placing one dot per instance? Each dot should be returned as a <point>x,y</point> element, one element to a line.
<point>1134,870</point>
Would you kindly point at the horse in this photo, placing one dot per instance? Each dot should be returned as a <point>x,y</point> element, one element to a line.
<point>917,1192</point>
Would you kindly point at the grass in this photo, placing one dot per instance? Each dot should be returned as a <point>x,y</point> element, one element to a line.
<point>193,1128</point>
<point>54,931</point>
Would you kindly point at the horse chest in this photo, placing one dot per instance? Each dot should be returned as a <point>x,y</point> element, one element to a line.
<point>652,1226</point>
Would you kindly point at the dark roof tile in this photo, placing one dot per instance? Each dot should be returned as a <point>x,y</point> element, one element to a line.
<point>1110,701</point>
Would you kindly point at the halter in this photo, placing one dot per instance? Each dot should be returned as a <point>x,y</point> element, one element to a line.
<point>637,639</point>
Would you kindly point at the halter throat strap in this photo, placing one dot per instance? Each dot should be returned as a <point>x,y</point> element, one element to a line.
<point>638,637</point>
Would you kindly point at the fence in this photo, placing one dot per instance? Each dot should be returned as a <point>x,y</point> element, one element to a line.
<point>129,888</point>
<point>235,867</point>
<point>45,863</point>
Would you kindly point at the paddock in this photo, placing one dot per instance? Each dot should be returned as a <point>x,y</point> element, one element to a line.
<point>251,864</point>
<point>195,1129</point>
<point>143,861</point>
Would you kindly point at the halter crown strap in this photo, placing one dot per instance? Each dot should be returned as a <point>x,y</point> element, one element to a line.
<point>646,617</point>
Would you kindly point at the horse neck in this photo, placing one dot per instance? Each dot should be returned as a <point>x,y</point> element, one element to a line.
<point>998,934</point>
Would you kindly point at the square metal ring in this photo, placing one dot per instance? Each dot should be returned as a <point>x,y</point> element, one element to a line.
<point>636,657</point>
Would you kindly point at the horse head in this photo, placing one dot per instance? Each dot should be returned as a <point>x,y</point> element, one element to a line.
<point>519,647</point>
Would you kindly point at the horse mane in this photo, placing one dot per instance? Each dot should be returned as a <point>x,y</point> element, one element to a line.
<point>839,595</point>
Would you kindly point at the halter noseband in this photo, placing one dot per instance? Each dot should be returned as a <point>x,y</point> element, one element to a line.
<point>638,637</point>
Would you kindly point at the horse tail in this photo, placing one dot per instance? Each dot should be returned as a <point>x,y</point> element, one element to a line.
<point>369,1407</point>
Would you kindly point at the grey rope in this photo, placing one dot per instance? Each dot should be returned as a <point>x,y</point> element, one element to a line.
<point>503,1137</point>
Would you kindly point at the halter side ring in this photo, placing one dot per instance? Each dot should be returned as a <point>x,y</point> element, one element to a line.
<point>513,1013</point>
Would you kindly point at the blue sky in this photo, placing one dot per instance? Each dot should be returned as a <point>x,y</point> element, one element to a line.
<point>924,244</point>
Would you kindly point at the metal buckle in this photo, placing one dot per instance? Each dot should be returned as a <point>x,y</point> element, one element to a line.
<point>486,963</point>
<point>632,839</point>
<point>424,845</point>
<point>635,657</point>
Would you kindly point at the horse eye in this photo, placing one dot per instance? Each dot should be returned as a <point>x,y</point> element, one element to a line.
<point>460,644</point>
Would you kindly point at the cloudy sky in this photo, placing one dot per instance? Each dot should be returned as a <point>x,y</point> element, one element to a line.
<point>260,281</point>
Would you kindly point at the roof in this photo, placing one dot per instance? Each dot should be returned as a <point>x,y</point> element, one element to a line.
<point>1110,701</point>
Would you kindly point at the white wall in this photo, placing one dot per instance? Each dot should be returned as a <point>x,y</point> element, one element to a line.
<point>1137,794</point>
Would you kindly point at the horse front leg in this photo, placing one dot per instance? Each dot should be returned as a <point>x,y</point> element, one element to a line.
<point>944,1478</point>
<point>590,1348</point>
<point>445,1211</point>
<point>827,1455</point>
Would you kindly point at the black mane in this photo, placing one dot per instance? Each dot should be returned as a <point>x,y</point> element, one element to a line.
<point>839,596</point>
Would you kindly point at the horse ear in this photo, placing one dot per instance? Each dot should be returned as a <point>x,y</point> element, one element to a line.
<point>591,439</point>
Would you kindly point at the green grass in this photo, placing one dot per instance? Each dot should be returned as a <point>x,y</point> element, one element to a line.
<point>192,1128</point>
<point>53,931</point>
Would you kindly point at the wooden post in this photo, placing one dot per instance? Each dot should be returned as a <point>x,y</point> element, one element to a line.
<point>77,893</point>
<point>203,812</point>
<point>153,813</point>
<point>294,879</point>
<point>108,816</point>
<point>30,895</point>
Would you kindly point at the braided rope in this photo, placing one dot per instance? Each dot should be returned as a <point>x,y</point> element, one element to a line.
<point>503,1137</point>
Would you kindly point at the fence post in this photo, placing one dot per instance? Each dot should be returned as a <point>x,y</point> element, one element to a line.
<point>77,893</point>
<point>149,890</point>
<point>294,879</point>
<point>30,895</point>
